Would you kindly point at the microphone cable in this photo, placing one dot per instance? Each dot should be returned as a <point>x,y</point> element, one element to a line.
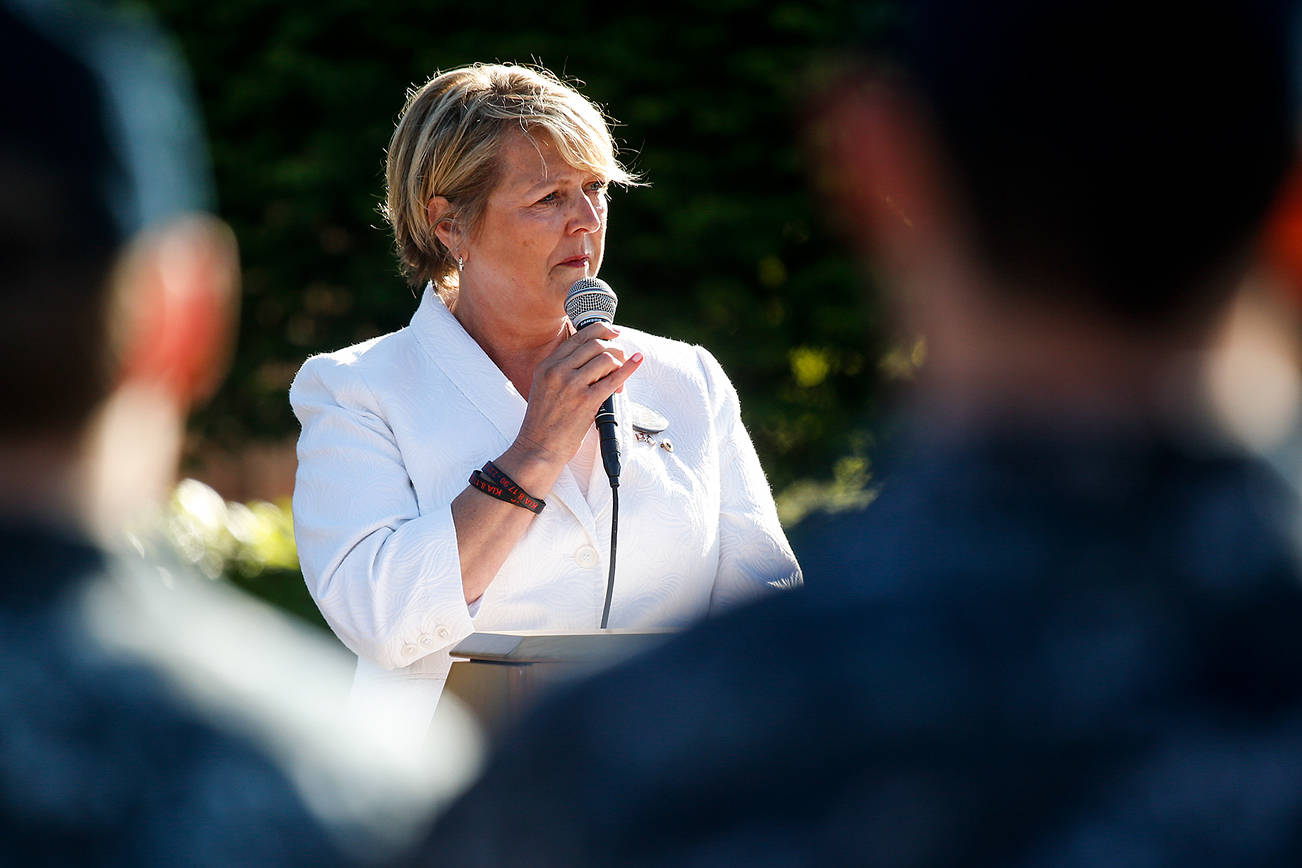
<point>614,534</point>
<point>609,439</point>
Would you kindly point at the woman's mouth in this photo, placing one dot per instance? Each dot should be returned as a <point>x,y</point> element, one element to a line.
<point>576,261</point>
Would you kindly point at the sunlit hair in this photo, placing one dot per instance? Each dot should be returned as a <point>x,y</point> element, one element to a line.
<point>447,143</point>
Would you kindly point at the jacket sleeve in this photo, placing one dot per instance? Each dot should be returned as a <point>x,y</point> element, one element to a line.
<point>754,555</point>
<point>386,576</point>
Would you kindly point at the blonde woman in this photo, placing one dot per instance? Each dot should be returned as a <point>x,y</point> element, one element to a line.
<point>498,180</point>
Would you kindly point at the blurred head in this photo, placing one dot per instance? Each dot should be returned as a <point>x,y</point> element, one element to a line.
<point>58,244</point>
<point>448,146</point>
<point>112,281</point>
<point>1105,156</point>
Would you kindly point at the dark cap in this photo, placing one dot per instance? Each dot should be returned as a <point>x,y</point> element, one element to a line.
<point>99,105</point>
<point>98,141</point>
<point>1131,145</point>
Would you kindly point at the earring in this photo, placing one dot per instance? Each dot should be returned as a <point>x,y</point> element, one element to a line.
<point>461,264</point>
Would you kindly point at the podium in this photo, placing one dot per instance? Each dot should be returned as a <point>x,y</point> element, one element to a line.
<point>499,675</point>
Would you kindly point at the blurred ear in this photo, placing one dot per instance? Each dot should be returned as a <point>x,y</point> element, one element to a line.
<point>883,172</point>
<point>176,301</point>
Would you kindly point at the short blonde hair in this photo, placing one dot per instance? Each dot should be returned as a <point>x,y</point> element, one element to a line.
<point>447,142</point>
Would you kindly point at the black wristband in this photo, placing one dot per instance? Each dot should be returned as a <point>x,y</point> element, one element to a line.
<point>493,482</point>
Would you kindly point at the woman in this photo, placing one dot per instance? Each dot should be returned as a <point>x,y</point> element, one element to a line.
<point>497,195</point>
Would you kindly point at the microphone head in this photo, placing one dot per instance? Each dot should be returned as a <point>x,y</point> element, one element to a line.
<point>590,300</point>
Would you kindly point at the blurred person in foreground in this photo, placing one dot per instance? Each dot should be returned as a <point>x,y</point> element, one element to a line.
<point>146,717</point>
<point>1067,630</point>
<point>498,182</point>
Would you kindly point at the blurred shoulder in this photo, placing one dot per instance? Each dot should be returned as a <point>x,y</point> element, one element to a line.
<point>674,728</point>
<point>275,691</point>
<point>111,723</point>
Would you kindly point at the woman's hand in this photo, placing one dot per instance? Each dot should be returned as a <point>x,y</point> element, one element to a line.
<point>568,388</point>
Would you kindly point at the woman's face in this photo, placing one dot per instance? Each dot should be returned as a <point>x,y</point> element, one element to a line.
<point>544,227</point>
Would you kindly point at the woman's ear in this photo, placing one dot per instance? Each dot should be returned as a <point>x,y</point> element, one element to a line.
<point>885,175</point>
<point>439,212</point>
<point>176,300</point>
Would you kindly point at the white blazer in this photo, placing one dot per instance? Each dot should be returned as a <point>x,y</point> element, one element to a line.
<point>392,428</point>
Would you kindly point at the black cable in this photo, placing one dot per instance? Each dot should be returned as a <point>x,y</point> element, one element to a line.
<point>614,531</point>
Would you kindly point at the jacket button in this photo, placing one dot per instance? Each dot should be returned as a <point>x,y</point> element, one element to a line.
<point>409,650</point>
<point>427,641</point>
<point>586,556</point>
<point>442,633</point>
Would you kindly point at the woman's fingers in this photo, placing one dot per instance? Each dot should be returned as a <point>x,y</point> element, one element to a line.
<point>571,383</point>
<point>597,360</point>
<point>590,351</point>
<point>575,345</point>
<point>604,372</point>
<point>595,330</point>
<point>619,376</point>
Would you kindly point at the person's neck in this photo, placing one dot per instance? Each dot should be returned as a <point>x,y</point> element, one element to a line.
<point>1043,364</point>
<point>516,340</point>
<point>42,480</point>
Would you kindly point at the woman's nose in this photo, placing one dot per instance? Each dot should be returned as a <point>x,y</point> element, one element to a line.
<point>586,216</point>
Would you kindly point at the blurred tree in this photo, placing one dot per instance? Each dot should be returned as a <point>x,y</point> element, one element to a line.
<point>727,247</point>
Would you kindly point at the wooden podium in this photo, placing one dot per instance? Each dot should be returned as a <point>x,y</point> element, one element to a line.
<point>499,675</point>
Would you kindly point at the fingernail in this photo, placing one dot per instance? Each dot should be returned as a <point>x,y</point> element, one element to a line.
<point>637,357</point>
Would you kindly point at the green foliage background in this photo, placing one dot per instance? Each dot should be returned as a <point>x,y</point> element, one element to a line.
<point>728,247</point>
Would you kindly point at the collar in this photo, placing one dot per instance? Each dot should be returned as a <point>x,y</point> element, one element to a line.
<point>41,561</point>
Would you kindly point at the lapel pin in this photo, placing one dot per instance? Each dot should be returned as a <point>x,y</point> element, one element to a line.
<point>646,420</point>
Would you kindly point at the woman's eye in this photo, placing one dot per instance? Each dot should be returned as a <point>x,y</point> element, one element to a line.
<point>549,198</point>
<point>597,187</point>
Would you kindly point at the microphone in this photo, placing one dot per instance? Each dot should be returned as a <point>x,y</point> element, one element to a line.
<point>592,300</point>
